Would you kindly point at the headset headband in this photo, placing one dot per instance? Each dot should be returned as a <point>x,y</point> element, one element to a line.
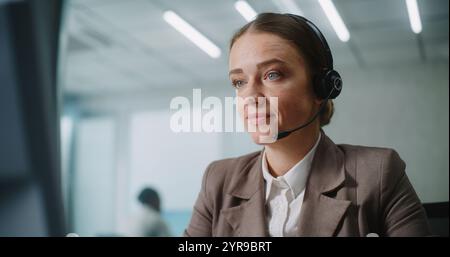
<point>318,34</point>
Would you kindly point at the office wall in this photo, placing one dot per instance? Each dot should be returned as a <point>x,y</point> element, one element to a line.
<point>93,179</point>
<point>405,108</point>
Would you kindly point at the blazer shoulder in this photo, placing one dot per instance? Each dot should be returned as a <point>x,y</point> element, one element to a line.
<point>368,152</point>
<point>220,173</point>
<point>231,166</point>
<point>384,192</point>
<point>374,163</point>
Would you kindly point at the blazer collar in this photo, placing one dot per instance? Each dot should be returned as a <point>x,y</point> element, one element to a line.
<point>251,179</point>
<point>327,168</point>
<point>321,211</point>
<point>326,176</point>
<point>249,217</point>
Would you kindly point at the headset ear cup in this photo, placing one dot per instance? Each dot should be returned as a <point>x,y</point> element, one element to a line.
<point>325,82</point>
<point>331,84</point>
<point>320,86</point>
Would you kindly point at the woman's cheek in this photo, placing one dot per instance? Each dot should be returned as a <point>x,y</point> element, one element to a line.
<point>290,111</point>
<point>240,107</point>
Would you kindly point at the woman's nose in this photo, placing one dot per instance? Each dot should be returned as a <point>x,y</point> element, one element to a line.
<point>253,89</point>
<point>252,96</point>
<point>255,103</point>
<point>255,99</point>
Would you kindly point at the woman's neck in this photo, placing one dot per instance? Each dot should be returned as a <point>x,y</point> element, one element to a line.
<point>284,154</point>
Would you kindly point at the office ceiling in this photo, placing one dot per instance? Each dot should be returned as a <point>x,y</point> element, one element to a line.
<point>118,46</point>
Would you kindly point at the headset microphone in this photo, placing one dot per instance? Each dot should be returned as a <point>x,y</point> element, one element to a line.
<point>286,133</point>
<point>327,84</point>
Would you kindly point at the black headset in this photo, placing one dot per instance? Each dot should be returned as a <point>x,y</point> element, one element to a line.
<point>327,84</point>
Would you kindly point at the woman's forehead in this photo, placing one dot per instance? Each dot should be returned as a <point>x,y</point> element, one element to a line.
<point>261,43</point>
<point>253,48</point>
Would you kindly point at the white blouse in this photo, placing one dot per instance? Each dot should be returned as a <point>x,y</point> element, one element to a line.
<point>284,195</point>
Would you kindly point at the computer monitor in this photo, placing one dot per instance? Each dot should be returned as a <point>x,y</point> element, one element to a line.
<point>30,190</point>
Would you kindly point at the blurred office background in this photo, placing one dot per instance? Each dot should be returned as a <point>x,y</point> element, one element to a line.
<point>121,63</point>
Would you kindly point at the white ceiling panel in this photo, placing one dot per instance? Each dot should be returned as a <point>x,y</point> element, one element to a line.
<point>124,46</point>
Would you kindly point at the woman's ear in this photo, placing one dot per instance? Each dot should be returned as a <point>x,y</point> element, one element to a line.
<point>318,100</point>
<point>318,103</point>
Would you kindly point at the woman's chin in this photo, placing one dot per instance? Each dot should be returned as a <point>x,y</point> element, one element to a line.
<point>262,138</point>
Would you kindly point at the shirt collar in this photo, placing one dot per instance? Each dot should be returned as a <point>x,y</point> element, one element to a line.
<point>295,178</point>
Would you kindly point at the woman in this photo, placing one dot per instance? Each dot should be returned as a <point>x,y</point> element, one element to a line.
<point>301,184</point>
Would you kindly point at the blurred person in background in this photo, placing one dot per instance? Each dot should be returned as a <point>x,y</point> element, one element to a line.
<point>148,222</point>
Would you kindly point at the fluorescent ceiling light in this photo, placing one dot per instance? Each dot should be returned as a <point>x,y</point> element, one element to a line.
<point>414,16</point>
<point>192,34</point>
<point>335,20</point>
<point>288,6</point>
<point>245,10</point>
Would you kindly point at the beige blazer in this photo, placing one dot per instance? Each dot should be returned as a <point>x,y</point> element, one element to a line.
<point>351,191</point>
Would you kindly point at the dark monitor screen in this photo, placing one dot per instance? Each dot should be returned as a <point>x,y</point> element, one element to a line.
<point>30,190</point>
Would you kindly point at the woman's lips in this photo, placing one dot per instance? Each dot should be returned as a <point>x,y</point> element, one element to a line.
<point>258,118</point>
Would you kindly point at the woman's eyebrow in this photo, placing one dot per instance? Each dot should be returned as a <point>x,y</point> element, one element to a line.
<point>269,62</point>
<point>259,65</point>
<point>235,71</point>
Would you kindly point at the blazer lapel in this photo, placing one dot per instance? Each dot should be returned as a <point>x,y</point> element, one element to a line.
<point>248,217</point>
<point>321,213</point>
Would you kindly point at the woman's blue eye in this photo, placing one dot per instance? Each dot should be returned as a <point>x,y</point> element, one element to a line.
<point>238,84</point>
<point>273,75</point>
